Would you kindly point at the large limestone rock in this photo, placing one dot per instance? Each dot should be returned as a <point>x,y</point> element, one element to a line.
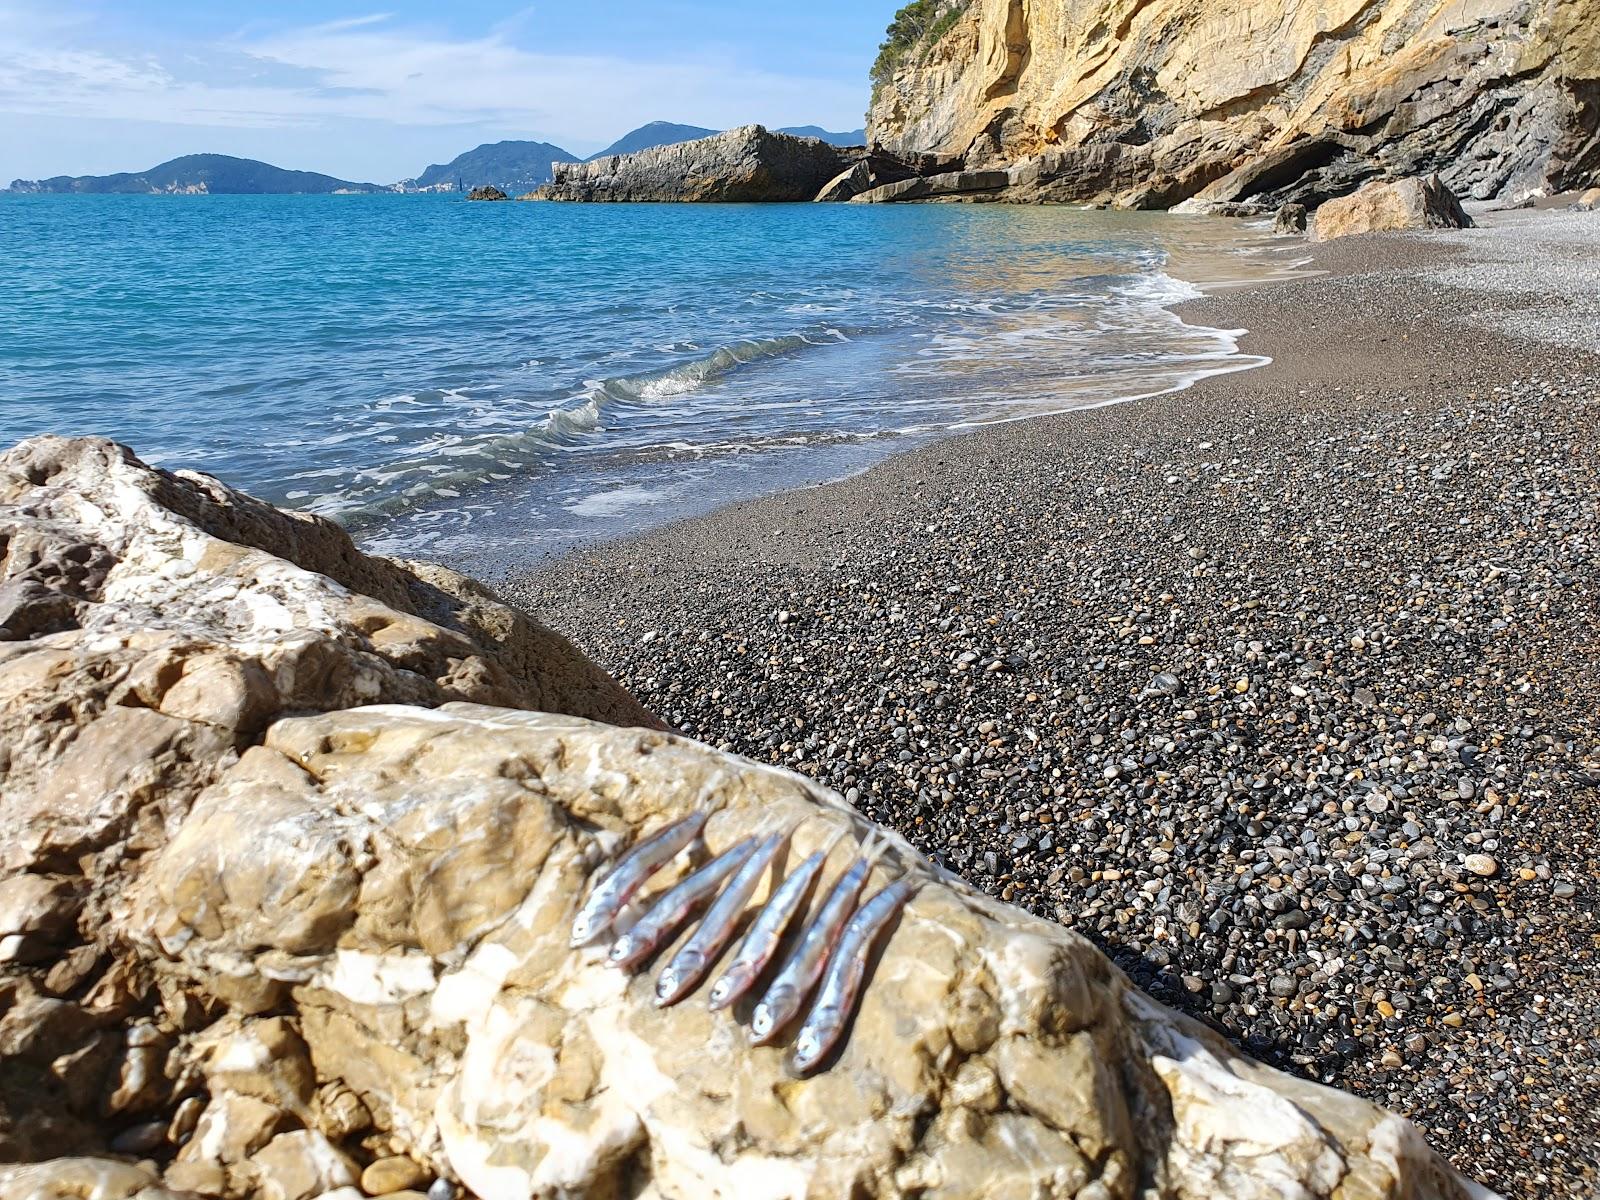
<point>1148,103</point>
<point>745,164</point>
<point>152,626</point>
<point>1380,207</point>
<point>307,892</point>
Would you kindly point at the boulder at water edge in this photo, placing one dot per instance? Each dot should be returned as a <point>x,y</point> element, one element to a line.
<point>1415,203</point>
<point>291,868</point>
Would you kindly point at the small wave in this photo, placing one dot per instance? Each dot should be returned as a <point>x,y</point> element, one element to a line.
<point>448,464</point>
<point>693,375</point>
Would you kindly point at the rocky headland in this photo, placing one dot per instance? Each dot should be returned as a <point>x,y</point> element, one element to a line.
<point>296,839</point>
<point>1237,109</point>
<point>1149,105</point>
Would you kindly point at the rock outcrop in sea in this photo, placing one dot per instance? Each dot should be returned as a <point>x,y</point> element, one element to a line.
<point>750,163</point>
<point>1146,105</point>
<point>295,840</point>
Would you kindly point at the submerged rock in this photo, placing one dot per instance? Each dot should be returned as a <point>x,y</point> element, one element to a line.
<point>1403,204</point>
<point>750,163</point>
<point>330,864</point>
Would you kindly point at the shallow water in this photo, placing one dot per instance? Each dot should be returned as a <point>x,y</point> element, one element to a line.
<point>483,383</point>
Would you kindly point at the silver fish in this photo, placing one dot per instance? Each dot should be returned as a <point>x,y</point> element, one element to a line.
<point>717,927</point>
<point>674,908</point>
<point>765,935</point>
<point>643,861</point>
<point>847,967</point>
<point>799,975</point>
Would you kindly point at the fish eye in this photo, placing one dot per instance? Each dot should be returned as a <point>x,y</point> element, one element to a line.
<point>719,989</point>
<point>762,1021</point>
<point>666,983</point>
<point>807,1047</point>
<point>620,950</point>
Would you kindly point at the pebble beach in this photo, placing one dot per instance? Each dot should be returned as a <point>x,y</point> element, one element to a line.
<point>1283,689</point>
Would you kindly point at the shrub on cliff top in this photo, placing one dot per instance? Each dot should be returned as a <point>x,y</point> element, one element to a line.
<point>920,23</point>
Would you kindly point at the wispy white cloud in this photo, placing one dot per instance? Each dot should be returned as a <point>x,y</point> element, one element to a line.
<point>373,68</point>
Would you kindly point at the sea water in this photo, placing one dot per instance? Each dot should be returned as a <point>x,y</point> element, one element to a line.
<point>484,383</point>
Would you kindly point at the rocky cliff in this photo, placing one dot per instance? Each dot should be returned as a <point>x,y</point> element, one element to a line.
<point>1149,103</point>
<point>745,164</point>
<point>287,886</point>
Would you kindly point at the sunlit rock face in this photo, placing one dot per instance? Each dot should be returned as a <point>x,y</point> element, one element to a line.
<point>290,877</point>
<point>1147,105</point>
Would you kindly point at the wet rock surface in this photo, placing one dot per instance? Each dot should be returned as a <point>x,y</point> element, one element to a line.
<point>306,899</point>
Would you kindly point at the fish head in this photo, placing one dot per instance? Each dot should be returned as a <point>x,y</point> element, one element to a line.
<point>762,1021</point>
<point>583,929</point>
<point>809,1048</point>
<point>724,990</point>
<point>666,986</point>
<point>681,974</point>
<point>621,949</point>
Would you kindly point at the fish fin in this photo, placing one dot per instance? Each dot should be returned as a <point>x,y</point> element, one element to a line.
<point>875,845</point>
<point>834,839</point>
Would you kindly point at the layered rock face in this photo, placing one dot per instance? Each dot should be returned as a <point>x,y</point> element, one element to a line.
<point>745,164</point>
<point>1149,103</point>
<point>285,904</point>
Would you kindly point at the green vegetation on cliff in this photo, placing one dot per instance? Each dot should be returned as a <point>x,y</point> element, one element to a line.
<point>920,23</point>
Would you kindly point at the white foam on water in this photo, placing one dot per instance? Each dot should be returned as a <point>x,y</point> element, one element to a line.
<point>616,500</point>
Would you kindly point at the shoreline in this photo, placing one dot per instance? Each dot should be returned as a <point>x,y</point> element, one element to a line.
<point>1368,574</point>
<point>1245,257</point>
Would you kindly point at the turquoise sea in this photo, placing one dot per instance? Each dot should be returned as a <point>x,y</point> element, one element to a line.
<point>484,383</point>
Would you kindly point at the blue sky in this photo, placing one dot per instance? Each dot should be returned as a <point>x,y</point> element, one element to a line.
<point>378,91</point>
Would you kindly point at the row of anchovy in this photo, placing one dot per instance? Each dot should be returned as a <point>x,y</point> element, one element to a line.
<point>834,948</point>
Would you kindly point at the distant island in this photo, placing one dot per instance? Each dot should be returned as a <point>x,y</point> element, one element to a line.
<point>512,166</point>
<point>200,174</point>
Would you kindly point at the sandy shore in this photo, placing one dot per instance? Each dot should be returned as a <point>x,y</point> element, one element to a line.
<point>1284,689</point>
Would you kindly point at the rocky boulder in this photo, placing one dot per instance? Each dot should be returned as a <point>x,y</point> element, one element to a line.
<point>873,171</point>
<point>1403,204</point>
<point>750,163</point>
<point>947,185</point>
<point>1291,220</point>
<point>299,868</point>
<point>487,192</point>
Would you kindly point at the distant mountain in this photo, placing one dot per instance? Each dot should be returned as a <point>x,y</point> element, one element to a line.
<point>513,167</point>
<point>855,137</point>
<point>657,133</point>
<point>200,174</point>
